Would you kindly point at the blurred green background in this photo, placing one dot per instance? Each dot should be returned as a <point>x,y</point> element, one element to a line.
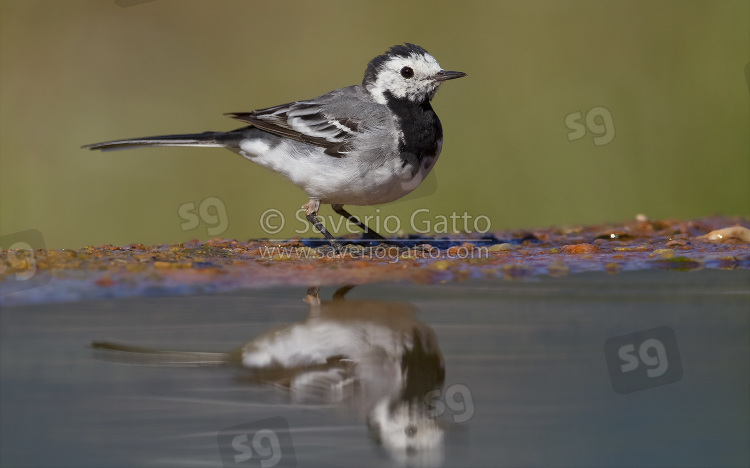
<point>670,74</point>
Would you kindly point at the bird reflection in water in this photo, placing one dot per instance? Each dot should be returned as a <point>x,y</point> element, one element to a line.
<point>367,355</point>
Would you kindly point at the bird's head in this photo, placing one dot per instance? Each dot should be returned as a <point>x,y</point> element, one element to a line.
<point>405,72</point>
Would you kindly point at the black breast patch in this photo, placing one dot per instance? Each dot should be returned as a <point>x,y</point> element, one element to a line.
<point>421,130</point>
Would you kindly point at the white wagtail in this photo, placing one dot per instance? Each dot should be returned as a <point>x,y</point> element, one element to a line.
<point>374,355</point>
<point>365,144</point>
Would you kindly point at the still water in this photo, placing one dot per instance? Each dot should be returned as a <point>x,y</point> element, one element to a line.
<point>647,368</point>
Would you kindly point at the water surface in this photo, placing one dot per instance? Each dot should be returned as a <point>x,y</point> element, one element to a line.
<point>526,379</point>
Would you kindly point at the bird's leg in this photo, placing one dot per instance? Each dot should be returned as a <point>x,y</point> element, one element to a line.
<point>313,299</point>
<point>311,213</point>
<point>369,233</point>
<point>312,296</point>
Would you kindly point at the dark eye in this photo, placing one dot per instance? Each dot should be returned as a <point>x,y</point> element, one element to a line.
<point>407,72</point>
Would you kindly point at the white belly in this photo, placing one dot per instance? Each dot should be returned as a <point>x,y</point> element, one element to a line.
<point>342,181</point>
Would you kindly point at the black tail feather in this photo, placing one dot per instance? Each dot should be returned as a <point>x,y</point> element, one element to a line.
<point>209,139</point>
<point>133,354</point>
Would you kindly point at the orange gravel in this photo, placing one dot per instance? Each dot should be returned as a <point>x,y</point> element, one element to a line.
<point>223,264</point>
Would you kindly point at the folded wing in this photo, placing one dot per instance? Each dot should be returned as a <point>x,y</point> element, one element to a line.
<point>307,122</point>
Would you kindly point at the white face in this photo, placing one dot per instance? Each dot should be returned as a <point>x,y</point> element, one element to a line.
<point>411,77</point>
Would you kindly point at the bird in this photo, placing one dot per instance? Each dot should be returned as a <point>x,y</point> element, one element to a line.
<point>366,144</point>
<point>376,358</point>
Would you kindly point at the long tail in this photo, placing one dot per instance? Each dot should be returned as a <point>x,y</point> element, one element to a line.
<point>209,139</point>
<point>131,354</point>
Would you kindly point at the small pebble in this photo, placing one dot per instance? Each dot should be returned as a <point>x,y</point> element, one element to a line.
<point>441,265</point>
<point>663,253</point>
<point>577,249</point>
<point>733,235</point>
<point>632,249</point>
<point>503,247</point>
<point>676,243</point>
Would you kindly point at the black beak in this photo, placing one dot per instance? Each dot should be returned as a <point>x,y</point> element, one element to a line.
<point>443,75</point>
